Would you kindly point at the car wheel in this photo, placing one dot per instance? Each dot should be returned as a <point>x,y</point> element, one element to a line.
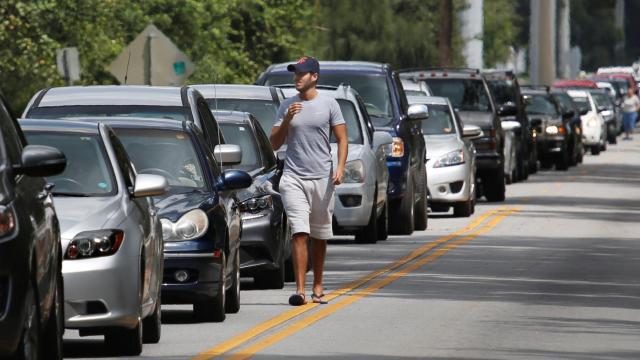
<point>563,161</point>
<point>595,150</point>
<point>54,328</point>
<point>30,341</point>
<point>232,302</point>
<point>603,147</point>
<point>271,279</point>
<point>494,186</point>
<point>214,309</point>
<point>463,209</point>
<point>545,164</point>
<point>383,222</point>
<point>127,342</point>
<point>508,179</point>
<point>369,234</point>
<point>152,325</point>
<point>421,213</point>
<point>402,216</point>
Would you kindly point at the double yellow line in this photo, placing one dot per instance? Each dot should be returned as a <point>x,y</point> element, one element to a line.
<point>496,217</point>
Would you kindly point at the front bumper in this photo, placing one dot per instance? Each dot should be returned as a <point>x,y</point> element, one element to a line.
<point>260,244</point>
<point>592,135</point>
<point>352,207</point>
<point>551,145</point>
<point>204,271</point>
<point>101,292</point>
<point>448,184</point>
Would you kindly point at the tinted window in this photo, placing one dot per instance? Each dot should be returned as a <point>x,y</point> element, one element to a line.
<point>464,94</point>
<point>264,110</point>
<point>503,91</point>
<point>602,100</point>
<point>582,103</point>
<point>124,162</point>
<point>372,87</point>
<point>266,150</point>
<point>211,129</point>
<point>88,171</point>
<point>169,153</point>
<point>10,135</point>
<point>565,102</point>
<point>350,115</point>
<point>541,105</point>
<point>163,112</point>
<point>241,135</point>
<point>439,121</point>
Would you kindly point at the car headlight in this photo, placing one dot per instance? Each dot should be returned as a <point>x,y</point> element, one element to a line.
<point>397,147</point>
<point>7,221</point>
<point>90,244</point>
<point>190,226</point>
<point>354,172</point>
<point>256,204</point>
<point>455,157</point>
<point>552,130</point>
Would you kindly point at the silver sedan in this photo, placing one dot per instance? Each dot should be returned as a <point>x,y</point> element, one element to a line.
<point>451,158</point>
<point>111,235</point>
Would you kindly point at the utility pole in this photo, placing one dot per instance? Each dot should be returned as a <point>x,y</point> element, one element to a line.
<point>445,32</point>
<point>619,21</point>
<point>564,40</point>
<point>472,21</point>
<point>542,45</point>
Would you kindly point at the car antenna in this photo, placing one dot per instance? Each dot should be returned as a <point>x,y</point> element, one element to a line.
<point>126,72</point>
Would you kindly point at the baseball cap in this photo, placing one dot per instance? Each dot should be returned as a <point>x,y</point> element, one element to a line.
<point>305,64</point>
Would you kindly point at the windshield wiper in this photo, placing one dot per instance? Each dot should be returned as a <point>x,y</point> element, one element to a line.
<point>69,194</point>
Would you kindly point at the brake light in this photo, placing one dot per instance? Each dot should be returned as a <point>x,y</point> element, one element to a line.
<point>7,221</point>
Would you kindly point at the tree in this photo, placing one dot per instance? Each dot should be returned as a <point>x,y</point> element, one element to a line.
<point>500,33</point>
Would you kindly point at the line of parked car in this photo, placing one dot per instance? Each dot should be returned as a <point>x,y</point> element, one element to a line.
<point>117,199</point>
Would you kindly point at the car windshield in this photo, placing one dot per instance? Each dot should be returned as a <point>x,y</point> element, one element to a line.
<point>264,110</point>
<point>372,87</point>
<point>169,153</point>
<point>565,101</point>
<point>241,135</point>
<point>582,102</point>
<point>88,171</point>
<point>464,94</point>
<point>439,122</point>
<point>83,111</point>
<point>350,115</point>
<point>602,100</point>
<point>541,105</point>
<point>503,91</point>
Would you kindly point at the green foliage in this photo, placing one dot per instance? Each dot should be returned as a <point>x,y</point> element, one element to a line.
<point>593,30</point>
<point>500,30</point>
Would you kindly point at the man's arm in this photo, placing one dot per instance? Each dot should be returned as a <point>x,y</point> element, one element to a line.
<point>340,132</point>
<point>279,133</point>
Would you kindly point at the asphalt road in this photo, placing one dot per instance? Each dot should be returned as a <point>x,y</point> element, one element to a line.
<point>552,273</point>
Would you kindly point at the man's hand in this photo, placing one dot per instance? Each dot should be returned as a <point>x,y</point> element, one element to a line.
<point>337,176</point>
<point>292,110</point>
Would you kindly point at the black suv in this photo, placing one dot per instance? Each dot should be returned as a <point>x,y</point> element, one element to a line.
<point>31,300</point>
<point>504,87</point>
<point>386,103</point>
<point>469,94</point>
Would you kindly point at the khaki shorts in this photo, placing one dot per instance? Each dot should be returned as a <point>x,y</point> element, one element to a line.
<point>309,205</point>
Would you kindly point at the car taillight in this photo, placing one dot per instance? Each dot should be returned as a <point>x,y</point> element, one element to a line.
<point>89,244</point>
<point>7,221</point>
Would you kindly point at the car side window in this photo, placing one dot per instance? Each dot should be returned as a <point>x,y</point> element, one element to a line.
<point>209,124</point>
<point>401,95</point>
<point>124,163</point>
<point>366,118</point>
<point>11,135</point>
<point>269,159</point>
<point>202,143</point>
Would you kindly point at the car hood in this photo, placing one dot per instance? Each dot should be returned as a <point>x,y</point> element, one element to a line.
<point>171,206</point>
<point>81,214</point>
<point>438,145</point>
<point>482,119</point>
<point>354,152</point>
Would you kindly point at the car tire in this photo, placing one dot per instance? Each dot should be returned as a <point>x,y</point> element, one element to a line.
<point>271,279</point>
<point>421,214</point>
<point>545,164</point>
<point>214,309</point>
<point>603,147</point>
<point>563,161</point>
<point>383,222</point>
<point>402,216</point>
<point>369,234</point>
<point>612,137</point>
<point>525,169</point>
<point>494,186</point>
<point>463,209</point>
<point>152,325</point>
<point>30,340</point>
<point>595,150</point>
<point>508,179</point>
<point>232,301</point>
<point>128,342</point>
<point>51,345</point>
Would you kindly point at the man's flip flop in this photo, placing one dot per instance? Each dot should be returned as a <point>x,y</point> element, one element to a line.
<point>297,300</point>
<point>318,299</point>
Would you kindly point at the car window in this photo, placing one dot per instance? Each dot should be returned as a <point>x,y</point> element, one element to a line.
<point>350,115</point>
<point>503,91</point>
<point>269,158</point>
<point>582,102</point>
<point>264,110</point>
<point>439,122</point>
<point>464,94</point>
<point>565,102</point>
<point>241,135</point>
<point>11,136</point>
<point>542,105</point>
<point>415,93</point>
<point>602,100</point>
<point>88,171</point>
<point>78,111</point>
<point>124,162</point>
<point>169,153</point>
<point>211,129</point>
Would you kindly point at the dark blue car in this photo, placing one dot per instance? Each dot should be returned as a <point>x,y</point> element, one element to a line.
<point>386,103</point>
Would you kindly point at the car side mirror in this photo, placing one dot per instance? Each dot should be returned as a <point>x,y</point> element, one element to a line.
<point>510,125</point>
<point>228,154</point>
<point>471,132</point>
<point>234,180</point>
<point>418,112</point>
<point>150,185</point>
<point>508,109</point>
<point>40,160</point>
<point>569,114</point>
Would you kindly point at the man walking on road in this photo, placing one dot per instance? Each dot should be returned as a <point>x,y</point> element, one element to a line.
<point>304,123</point>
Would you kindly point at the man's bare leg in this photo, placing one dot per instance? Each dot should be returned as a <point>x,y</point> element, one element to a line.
<point>300,259</point>
<point>319,253</point>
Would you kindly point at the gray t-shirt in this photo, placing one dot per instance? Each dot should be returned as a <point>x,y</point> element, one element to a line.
<point>308,148</point>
